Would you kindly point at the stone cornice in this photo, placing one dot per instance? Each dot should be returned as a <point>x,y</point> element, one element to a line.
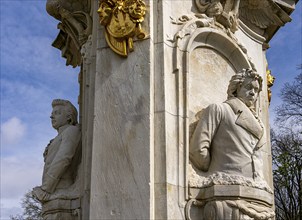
<point>265,17</point>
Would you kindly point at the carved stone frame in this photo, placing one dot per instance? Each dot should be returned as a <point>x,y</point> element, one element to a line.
<point>188,39</point>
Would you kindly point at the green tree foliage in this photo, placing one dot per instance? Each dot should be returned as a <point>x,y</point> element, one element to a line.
<point>287,153</point>
<point>31,208</point>
<point>291,108</point>
<point>287,173</point>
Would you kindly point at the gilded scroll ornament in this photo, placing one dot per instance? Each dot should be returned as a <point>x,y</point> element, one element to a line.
<point>270,82</point>
<point>122,20</point>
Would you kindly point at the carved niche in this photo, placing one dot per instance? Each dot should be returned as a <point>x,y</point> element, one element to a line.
<point>75,26</point>
<point>207,55</point>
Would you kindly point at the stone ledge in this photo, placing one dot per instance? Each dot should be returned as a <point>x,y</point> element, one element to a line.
<point>231,192</point>
<point>61,204</point>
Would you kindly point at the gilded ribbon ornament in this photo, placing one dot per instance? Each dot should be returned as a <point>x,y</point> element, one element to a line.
<point>122,20</point>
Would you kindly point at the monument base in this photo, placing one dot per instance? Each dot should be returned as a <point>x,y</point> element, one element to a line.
<point>229,202</point>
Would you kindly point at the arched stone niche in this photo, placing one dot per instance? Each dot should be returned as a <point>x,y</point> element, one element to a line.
<point>213,58</point>
<point>206,59</point>
<point>209,72</point>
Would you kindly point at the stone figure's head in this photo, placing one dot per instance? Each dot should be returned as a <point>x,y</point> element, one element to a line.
<point>211,8</point>
<point>214,9</point>
<point>245,85</point>
<point>63,113</point>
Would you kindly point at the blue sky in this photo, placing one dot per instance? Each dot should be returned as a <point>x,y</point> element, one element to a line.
<point>33,74</point>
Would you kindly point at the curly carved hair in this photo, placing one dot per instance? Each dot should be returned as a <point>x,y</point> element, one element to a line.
<point>237,80</point>
<point>71,111</point>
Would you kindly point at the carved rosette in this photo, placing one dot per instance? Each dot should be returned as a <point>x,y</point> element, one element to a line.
<point>122,20</point>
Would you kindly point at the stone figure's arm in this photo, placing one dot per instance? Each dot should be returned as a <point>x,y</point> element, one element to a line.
<point>67,149</point>
<point>203,136</point>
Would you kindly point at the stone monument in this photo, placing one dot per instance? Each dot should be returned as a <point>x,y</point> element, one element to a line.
<point>149,71</point>
<point>60,189</point>
<point>227,179</point>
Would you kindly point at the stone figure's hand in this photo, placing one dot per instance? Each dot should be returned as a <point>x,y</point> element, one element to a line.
<point>40,194</point>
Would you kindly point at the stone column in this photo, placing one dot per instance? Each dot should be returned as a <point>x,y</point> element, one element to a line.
<point>142,108</point>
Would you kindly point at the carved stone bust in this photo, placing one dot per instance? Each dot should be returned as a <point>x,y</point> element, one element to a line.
<point>62,156</point>
<point>225,151</point>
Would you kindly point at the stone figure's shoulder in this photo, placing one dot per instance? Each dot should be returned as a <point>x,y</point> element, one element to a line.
<point>72,131</point>
<point>216,108</point>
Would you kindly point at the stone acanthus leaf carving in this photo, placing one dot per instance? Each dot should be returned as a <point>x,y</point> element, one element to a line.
<point>75,26</point>
<point>263,13</point>
<point>181,20</point>
<point>190,24</point>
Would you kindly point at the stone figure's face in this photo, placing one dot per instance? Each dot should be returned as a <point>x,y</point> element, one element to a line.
<point>58,117</point>
<point>248,92</point>
<point>214,9</point>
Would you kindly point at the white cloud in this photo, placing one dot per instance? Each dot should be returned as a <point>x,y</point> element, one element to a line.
<point>32,74</point>
<point>6,212</point>
<point>12,130</point>
<point>19,174</point>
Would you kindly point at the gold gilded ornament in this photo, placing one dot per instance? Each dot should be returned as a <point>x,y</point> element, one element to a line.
<point>122,20</point>
<point>270,82</point>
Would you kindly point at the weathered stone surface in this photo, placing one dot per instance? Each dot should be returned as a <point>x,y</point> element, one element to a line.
<point>121,154</point>
<point>138,114</point>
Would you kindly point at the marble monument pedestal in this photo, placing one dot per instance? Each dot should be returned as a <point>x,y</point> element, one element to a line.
<point>138,111</point>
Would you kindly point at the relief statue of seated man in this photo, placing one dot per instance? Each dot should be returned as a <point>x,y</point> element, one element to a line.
<point>62,157</point>
<point>229,136</point>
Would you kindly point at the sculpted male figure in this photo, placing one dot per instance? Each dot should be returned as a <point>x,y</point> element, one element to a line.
<point>228,137</point>
<point>62,157</point>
